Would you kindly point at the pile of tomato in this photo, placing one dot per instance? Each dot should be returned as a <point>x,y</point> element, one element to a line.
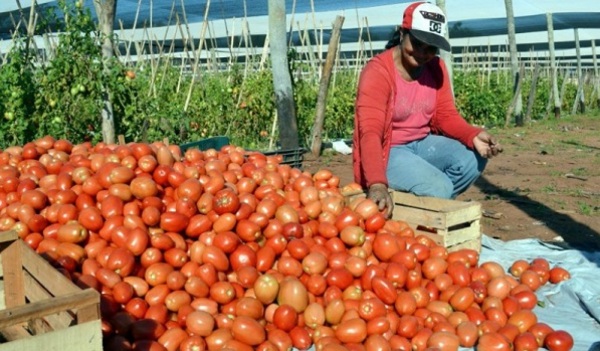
<point>233,250</point>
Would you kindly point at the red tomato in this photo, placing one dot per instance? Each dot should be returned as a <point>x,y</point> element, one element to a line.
<point>225,201</point>
<point>525,342</point>
<point>559,274</point>
<point>174,222</point>
<point>559,340</point>
<point>285,317</point>
<point>493,342</point>
<point>353,330</point>
<point>248,330</point>
<point>384,289</point>
<point>370,308</point>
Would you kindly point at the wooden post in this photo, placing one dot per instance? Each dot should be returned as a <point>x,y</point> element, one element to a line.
<point>596,76</point>
<point>196,61</point>
<point>531,98</point>
<point>515,100</point>
<point>553,69</point>
<point>282,81</point>
<point>447,55</point>
<point>514,62</point>
<point>324,85</point>
<point>563,88</point>
<point>579,98</point>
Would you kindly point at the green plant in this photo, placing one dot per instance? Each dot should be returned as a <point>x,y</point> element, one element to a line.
<point>548,189</point>
<point>17,94</point>
<point>481,103</point>
<point>70,101</point>
<point>585,208</point>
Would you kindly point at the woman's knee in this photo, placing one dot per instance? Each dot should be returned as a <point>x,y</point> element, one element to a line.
<point>443,189</point>
<point>469,167</point>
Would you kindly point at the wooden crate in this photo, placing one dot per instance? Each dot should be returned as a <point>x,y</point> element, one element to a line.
<point>44,310</point>
<point>450,223</point>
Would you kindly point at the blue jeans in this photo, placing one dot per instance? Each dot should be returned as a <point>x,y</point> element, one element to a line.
<point>434,166</point>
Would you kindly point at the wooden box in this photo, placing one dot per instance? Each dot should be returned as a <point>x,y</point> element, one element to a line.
<point>42,309</point>
<point>450,223</point>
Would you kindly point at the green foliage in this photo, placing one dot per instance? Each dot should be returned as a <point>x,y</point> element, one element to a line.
<point>70,98</point>
<point>482,101</point>
<point>17,94</point>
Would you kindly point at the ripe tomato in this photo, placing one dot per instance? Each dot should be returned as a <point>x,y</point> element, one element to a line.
<point>559,340</point>
<point>559,274</point>
<point>225,201</point>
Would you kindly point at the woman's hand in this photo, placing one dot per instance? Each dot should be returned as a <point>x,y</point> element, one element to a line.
<point>486,145</point>
<point>380,194</point>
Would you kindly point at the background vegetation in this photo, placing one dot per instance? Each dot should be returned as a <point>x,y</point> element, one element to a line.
<point>61,95</point>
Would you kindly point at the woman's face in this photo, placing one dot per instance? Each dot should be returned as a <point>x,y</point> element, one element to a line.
<point>415,52</point>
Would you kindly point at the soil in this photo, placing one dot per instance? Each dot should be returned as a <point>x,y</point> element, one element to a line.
<point>545,185</point>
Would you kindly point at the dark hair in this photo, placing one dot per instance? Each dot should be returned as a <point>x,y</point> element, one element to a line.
<point>396,37</point>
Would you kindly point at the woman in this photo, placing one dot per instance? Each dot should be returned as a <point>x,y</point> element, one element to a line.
<point>408,134</point>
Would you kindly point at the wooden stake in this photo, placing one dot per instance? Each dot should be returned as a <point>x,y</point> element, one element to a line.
<point>324,86</point>
<point>579,98</point>
<point>532,90</point>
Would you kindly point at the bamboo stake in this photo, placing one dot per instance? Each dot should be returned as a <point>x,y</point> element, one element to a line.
<point>579,98</point>
<point>135,20</point>
<point>370,41</point>
<point>516,96</point>
<point>200,45</point>
<point>553,68</point>
<point>318,55</point>
<point>324,86</point>
<point>532,90</point>
<point>597,77</point>
<point>567,75</point>
<point>291,30</point>
<point>358,48</point>
<point>231,48</point>
<point>265,54</point>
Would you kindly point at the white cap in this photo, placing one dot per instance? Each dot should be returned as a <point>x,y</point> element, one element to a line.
<point>427,23</point>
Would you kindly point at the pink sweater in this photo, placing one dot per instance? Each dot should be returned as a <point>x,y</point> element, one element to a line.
<point>374,109</point>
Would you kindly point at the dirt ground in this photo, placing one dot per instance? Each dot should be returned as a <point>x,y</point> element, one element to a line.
<point>546,184</point>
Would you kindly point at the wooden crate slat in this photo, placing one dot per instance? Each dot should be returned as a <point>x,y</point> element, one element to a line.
<point>41,309</point>
<point>43,271</point>
<point>85,336</point>
<point>428,203</point>
<point>54,313</point>
<point>433,212</point>
<point>473,244</point>
<point>463,215</point>
<point>15,332</point>
<point>36,292</point>
<point>8,236</point>
<point>14,287</point>
<point>449,223</point>
<point>461,235</point>
<point>88,313</point>
<point>416,216</point>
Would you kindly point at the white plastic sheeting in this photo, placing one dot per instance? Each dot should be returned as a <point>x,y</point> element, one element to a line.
<point>573,305</point>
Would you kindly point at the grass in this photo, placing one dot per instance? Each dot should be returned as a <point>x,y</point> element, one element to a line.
<point>549,189</point>
<point>586,209</point>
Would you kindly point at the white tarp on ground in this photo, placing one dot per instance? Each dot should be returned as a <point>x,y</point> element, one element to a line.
<point>573,305</point>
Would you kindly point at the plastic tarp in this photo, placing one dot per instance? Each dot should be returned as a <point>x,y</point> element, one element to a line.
<point>573,305</point>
